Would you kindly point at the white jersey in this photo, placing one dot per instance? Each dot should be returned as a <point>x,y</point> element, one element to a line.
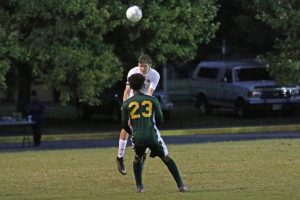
<point>151,79</point>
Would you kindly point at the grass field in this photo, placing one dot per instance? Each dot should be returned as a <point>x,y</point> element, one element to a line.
<point>266,169</point>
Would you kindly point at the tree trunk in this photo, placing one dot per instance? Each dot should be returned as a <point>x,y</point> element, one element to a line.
<point>24,86</point>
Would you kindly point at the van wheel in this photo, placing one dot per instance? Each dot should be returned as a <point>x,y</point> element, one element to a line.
<point>203,105</point>
<point>240,109</point>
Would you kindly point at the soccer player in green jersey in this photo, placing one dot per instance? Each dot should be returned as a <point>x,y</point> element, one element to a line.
<point>144,115</point>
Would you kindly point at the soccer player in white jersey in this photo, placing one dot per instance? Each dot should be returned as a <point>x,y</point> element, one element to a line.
<point>151,81</point>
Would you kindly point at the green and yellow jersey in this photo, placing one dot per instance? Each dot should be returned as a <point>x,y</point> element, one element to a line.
<point>143,113</point>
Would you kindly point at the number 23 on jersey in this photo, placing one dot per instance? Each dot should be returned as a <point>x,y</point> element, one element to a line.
<point>143,109</point>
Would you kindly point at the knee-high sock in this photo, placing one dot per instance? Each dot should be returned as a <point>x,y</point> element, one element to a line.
<point>122,148</point>
<point>138,168</point>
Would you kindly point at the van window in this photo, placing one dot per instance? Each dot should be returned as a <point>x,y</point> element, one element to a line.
<point>228,75</point>
<point>252,74</point>
<point>210,73</point>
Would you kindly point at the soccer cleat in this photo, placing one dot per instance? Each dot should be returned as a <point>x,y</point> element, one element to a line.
<point>183,188</point>
<point>121,166</point>
<point>140,189</point>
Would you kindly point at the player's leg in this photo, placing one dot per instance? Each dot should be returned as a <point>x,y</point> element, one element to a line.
<point>144,157</point>
<point>160,149</point>
<point>37,133</point>
<point>170,163</point>
<point>121,151</point>
<point>138,167</point>
<point>122,143</point>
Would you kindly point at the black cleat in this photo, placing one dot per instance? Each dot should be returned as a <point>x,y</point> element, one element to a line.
<point>121,166</point>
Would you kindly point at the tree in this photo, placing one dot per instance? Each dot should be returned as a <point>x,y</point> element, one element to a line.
<point>243,35</point>
<point>77,47</point>
<point>283,16</point>
<point>58,43</point>
<point>169,30</point>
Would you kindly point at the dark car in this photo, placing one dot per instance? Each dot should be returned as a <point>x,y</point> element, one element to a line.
<point>165,103</point>
<point>111,103</point>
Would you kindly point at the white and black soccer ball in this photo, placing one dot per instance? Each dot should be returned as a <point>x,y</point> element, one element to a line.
<point>134,14</point>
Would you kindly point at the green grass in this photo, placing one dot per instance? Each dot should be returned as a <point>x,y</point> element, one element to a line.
<point>266,169</point>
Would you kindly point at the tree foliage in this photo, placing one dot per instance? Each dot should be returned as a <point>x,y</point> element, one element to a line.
<point>61,43</point>
<point>242,33</point>
<point>284,17</point>
<point>79,47</point>
<point>169,30</point>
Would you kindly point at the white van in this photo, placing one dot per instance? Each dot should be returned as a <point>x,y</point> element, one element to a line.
<point>243,86</point>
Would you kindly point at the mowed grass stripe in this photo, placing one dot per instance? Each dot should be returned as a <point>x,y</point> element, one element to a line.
<point>267,169</point>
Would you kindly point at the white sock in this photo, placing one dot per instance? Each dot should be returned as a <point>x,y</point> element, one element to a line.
<point>122,147</point>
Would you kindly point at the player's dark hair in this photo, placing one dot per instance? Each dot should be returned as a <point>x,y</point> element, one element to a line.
<point>136,81</point>
<point>145,59</point>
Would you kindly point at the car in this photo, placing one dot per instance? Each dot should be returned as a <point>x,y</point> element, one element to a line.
<point>165,103</point>
<point>110,106</point>
<point>244,86</point>
<point>111,103</point>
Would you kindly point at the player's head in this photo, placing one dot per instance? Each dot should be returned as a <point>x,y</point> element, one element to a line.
<point>136,81</point>
<point>145,63</point>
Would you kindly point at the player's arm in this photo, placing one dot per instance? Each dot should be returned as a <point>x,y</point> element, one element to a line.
<point>127,87</point>
<point>150,91</point>
<point>126,92</point>
<point>159,118</point>
<point>124,119</point>
<point>153,84</point>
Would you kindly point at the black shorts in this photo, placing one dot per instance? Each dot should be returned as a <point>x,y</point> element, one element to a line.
<point>158,148</point>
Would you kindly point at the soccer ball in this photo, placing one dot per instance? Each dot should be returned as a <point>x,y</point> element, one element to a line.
<point>134,14</point>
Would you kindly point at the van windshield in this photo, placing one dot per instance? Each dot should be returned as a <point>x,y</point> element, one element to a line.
<point>252,74</point>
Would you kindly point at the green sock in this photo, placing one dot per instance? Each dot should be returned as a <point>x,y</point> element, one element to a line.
<point>174,171</point>
<point>137,168</point>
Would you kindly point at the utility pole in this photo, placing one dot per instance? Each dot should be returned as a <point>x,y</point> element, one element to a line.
<point>223,49</point>
<point>165,77</point>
